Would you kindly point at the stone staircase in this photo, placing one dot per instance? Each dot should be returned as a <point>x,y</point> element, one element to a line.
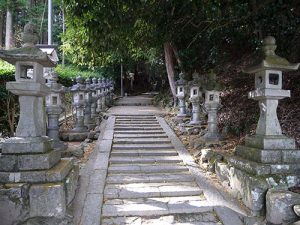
<point>147,182</point>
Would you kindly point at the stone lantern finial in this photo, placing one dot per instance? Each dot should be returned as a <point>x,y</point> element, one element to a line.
<point>30,36</point>
<point>269,46</point>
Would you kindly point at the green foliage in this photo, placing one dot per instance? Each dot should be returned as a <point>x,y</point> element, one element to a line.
<point>6,69</point>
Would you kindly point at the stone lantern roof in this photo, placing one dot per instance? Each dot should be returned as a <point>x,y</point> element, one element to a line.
<point>28,52</point>
<point>181,81</point>
<point>197,80</point>
<point>268,60</point>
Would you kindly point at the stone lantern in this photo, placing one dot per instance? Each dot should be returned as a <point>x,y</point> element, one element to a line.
<point>99,95</point>
<point>35,182</point>
<point>104,94</point>
<point>88,103</point>
<point>94,98</point>
<point>195,99</point>
<point>268,155</point>
<point>78,91</point>
<point>211,105</point>
<point>54,108</point>
<point>180,84</point>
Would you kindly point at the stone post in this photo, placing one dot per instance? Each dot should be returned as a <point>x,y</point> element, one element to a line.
<point>34,182</point>
<point>268,155</point>
<point>211,106</point>
<point>54,108</point>
<point>181,96</point>
<point>195,99</point>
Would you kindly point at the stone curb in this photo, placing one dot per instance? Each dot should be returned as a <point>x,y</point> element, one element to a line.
<point>222,201</point>
<point>95,173</point>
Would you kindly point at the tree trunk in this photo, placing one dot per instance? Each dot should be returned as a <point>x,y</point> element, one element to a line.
<point>1,28</point>
<point>9,30</point>
<point>258,26</point>
<point>170,67</point>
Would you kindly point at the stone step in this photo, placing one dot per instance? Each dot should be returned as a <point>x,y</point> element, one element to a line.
<point>165,152</point>
<point>141,141</point>
<point>148,190</point>
<point>142,168</point>
<point>143,159</point>
<point>204,218</point>
<point>137,125</point>
<point>148,178</point>
<point>140,132</point>
<point>156,206</point>
<point>142,146</point>
<point>140,135</point>
<point>137,121</point>
<point>156,128</point>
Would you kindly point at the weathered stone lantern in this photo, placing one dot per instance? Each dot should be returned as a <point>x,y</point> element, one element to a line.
<point>99,96</point>
<point>88,103</point>
<point>211,105</point>
<point>54,108</point>
<point>195,99</point>
<point>94,99</point>
<point>180,84</point>
<point>78,91</point>
<point>268,155</point>
<point>35,182</point>
<point>104,94</point>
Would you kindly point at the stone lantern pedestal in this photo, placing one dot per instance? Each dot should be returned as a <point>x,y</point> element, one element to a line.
<point>211,106</point>
<point>268,158</point>
<point>34,181</point>
<point>54,108</point>
<point>181,96</point>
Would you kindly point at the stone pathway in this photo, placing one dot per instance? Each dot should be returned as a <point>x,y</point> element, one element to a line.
<point>147,181</point>
<point>140,173</point>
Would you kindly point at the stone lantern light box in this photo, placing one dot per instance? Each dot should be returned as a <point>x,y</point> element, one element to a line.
<point>194,91</point>
<point>212,96</point>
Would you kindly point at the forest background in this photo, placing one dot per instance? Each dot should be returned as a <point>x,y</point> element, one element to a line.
<point>158,39</point>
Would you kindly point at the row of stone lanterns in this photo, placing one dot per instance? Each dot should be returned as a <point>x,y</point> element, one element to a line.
<point>210,104</point>
<point>89,98</point>
<point>35,182</point>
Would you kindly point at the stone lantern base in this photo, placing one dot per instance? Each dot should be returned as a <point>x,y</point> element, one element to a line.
<point>34,181</point>
<point>263,162</point>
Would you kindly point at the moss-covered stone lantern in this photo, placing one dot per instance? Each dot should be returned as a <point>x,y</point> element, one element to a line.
<point>268,158</point>
<point>54,107</point>
<point>195,98</point>
<point>181,85</point>
<point>34,182</point>
<point>211,105</point>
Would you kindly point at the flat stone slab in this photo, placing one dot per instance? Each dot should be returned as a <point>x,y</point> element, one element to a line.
<point>140,168</point>
<point>156,206</point>
<point>142,159</point>
<point>148,178</point>
<point>132,128</point>
<point>141,146</point>
<point>146,190</point>
<point>136,122</point>
<point>163,152</point>
<point>141,141</point>
<point>139,132</point>
<point>129,135</point>
<point>206,218</point>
